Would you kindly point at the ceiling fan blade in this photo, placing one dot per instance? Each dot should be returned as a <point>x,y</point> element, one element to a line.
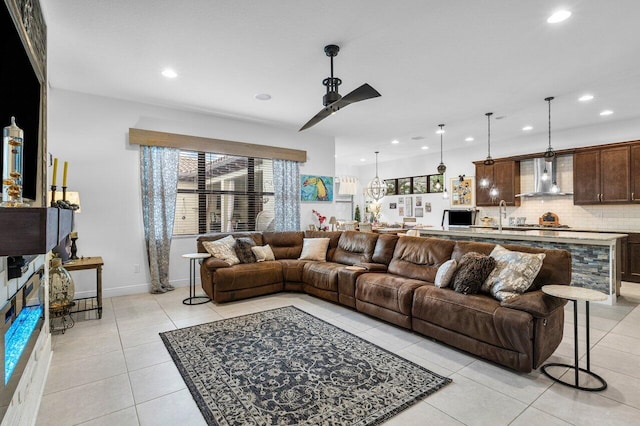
<point>324,113</point>
<point>362,93</point>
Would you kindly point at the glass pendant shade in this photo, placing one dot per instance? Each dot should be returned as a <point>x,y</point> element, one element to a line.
<point>484,182</point>
<point>493,192</point>
<point>61,286</point>
<point>549,153</point>
<point>377,189</point>
<point>445,194</point>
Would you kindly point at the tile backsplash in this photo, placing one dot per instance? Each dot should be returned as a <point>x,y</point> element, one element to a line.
<point>597,217</point>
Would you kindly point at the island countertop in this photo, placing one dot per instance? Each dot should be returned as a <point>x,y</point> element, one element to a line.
<point>595,238</point>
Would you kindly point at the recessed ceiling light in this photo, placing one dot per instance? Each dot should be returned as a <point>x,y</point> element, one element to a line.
<point>263,96</point>
<point>417,138</point>
<point>169,73</point>
<point>469,139</point>
<point>558,16</point>
<point>606,112</point>
<point>502,117</point>
<point>425,147</point>
<point>395,141</point>
<point>363,159</point>
<point>585,98</point>
<point>527,128</point>
<point>440,131</point>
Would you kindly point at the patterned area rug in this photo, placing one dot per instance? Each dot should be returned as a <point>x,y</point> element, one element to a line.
<point>285,366</point>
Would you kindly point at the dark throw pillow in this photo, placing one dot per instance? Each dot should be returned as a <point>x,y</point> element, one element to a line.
<point>243,250</point>
<point>473,271</point>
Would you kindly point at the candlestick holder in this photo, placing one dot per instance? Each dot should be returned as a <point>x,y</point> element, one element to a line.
<point>53,196</point>
<point>64,193</point>
<point>74,248</point>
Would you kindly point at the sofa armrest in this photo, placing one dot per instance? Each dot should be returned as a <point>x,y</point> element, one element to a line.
<point>536,303</point>
<point>213,263</point>
<point>372,267</point>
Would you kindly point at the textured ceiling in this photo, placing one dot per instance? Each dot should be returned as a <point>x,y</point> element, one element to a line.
<point>432,61</point>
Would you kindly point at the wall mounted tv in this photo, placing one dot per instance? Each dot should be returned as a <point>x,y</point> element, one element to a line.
<point>20,98</point>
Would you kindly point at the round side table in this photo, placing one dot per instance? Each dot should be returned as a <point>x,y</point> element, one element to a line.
<point>193,299</point>
<point>576,294</point>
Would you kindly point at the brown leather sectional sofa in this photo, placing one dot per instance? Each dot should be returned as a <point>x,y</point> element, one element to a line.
<point>396,285</point>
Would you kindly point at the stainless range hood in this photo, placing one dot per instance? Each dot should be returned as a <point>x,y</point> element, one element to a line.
<point>543,187</point>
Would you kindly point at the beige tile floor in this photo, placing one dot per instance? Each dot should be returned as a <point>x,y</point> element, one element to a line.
<point>116,371</point>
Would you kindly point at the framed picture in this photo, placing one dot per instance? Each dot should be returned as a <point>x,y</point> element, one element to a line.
<point>420,184</point>
<point>392,186</point>
<point>401,211</point>
<point>419,212</point>
<point>400,200</point>
<point>463,192</point>
<point>316,188</point>
<point>409,206</point>
<point>404,186</point>
<point>436,183</point>
<point>392,206</point>
<point>419,201</point>
<point>427,207</point>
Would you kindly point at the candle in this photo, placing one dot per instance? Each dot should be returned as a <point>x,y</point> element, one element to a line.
<point>73,234</point>
<point>64,173</point>
<point>55,171</point>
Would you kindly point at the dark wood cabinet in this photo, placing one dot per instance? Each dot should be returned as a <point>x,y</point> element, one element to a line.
<point>632,270</point>
<point>635,173</point>
<point>602,175</point>
<point>505,176</point>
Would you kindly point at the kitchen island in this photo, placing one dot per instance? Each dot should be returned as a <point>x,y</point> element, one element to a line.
<point>595,256</point>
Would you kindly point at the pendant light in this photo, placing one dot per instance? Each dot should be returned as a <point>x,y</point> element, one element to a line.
<point>484,182</point>
<point>549,153</point>
<point>441,167</point>
<point>377,189</point>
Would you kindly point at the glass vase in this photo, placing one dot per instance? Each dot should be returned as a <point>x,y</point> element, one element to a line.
<point>61,286</point>
<point>12,155</point>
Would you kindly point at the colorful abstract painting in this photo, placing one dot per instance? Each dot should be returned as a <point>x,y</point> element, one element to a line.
<point>316,188</point>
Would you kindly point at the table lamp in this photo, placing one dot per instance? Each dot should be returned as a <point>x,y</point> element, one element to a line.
<point>332,222</point>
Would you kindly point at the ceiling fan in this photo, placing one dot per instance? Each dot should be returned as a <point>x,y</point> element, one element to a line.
<point>332,100</point>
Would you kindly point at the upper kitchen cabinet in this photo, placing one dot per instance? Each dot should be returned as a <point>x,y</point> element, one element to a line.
<point>505,176</point>
<point>603,175</point>
<point>635,173</point>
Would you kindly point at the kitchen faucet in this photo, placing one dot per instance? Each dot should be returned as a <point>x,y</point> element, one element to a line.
<point>501,213</point>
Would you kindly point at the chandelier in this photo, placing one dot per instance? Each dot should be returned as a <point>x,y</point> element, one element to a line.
<point>377,189</point>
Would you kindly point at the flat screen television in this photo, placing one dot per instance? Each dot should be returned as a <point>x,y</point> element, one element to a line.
<point>20,98</point>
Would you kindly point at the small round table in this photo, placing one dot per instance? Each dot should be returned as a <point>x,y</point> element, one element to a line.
<point>193,299</point>
<point>576,294</point>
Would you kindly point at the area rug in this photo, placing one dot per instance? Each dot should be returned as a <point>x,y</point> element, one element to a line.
<point>287,367</point>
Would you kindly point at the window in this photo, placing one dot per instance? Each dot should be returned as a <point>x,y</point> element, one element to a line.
<point>223,193</point>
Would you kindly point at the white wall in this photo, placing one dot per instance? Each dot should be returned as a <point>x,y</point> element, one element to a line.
<point>91,133</point>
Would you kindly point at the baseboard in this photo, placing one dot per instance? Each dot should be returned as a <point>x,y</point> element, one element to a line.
<point>128,290</point>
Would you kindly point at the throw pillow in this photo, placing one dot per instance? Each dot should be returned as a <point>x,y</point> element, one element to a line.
<point>263,253</point>
<point>314,249</point>
<point>223,249</point>
<point>473,271</point>
<point>514,272</point>
<point>445,273</point>
<point>243,250</point>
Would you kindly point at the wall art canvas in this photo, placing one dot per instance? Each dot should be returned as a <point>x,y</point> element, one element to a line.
<point>401,211</point>
<point>316,188</point>
<point>463,192</point>
<point>418,201</point>
<point>409,206</point>
<point>419,212</point>
<point>392,206</point>
<point>427,207</point>
<point>400,200</point>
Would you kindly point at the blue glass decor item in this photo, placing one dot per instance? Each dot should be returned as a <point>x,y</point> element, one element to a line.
<point>17,337</point>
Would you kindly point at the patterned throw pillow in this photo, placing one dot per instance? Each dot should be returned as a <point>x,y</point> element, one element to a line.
<point>514,272</point>
<point>223,249</point>
<point>473,271</point>
<point>315,249</point>
<point>445,273</point>
<point>243,250</point>
<point>263,253</point>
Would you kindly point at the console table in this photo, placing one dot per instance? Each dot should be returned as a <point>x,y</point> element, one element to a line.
<point>88,303</point>
<point>575,294</point>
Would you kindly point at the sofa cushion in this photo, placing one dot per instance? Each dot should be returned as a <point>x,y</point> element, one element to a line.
<point>334,237</point>
<point>223,249</point>
<point>292,269</point>
<point>392,292</point>
<point>445,273</point>
<point>284,244</point>
<point>385,246</point>
<point>514,272</point>
<point>247,276</point>
<point>419,258</point>
<point>243,250</point>
<point>473,271</point>
<point>256,236</point>
<point>314,249</point>
<point>355,247</point>
<point>263,253</point>
<point>322,275</point>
